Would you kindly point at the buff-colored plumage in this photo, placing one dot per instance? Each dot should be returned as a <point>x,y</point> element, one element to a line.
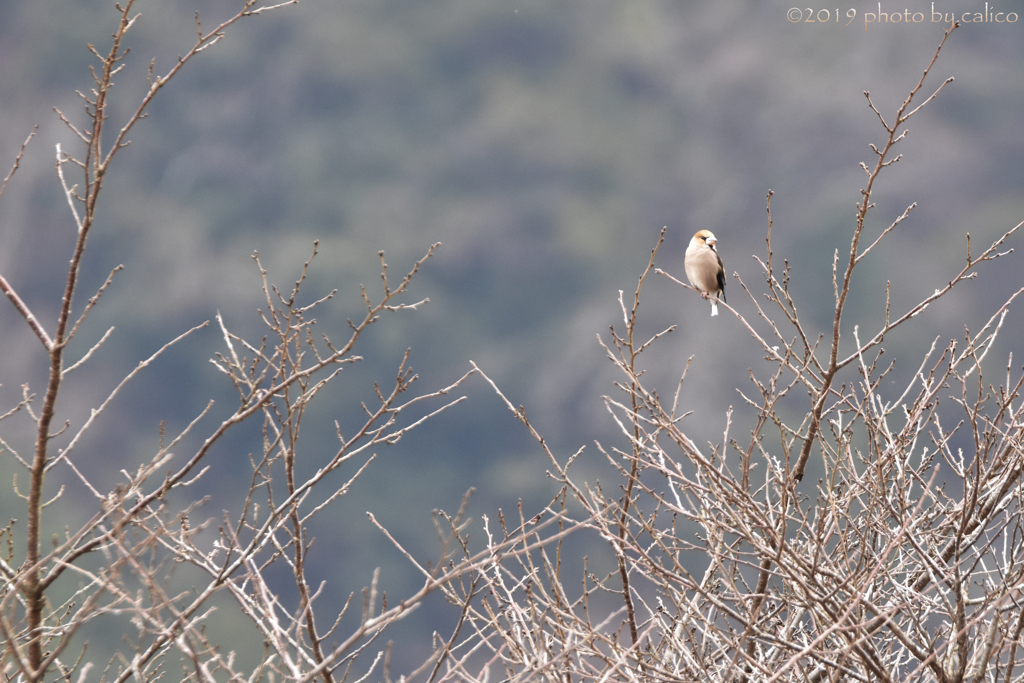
<point>704,268</point>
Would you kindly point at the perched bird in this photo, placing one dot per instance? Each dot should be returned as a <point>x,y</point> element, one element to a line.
<point>704,267</point>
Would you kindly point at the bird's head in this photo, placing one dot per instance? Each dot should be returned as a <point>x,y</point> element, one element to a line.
<point>705,237</point>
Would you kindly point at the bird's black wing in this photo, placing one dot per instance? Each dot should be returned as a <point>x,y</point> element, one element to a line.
<point>721,277</point>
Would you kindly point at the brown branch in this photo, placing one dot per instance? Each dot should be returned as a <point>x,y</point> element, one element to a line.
<point>862,209</point>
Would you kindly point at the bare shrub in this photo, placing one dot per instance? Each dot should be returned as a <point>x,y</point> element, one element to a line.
<point>905,561</point>
<point>127,557</point>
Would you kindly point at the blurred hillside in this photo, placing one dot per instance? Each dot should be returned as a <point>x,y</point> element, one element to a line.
<point>545,144</point>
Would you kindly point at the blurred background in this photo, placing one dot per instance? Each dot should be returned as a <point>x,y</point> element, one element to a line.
<point>545,144</point>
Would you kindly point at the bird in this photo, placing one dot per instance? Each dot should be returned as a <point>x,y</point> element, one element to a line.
<point>704,268</point>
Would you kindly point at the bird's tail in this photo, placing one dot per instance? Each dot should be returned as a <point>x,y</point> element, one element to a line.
<point>714,309</point>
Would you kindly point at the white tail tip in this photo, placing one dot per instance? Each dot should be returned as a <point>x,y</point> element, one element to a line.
<point>714,309</point>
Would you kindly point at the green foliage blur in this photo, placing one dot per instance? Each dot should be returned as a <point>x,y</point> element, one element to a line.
<point>545,144</point>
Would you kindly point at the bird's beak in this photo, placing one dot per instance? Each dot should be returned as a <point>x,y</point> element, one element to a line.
<point>712,242</point>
